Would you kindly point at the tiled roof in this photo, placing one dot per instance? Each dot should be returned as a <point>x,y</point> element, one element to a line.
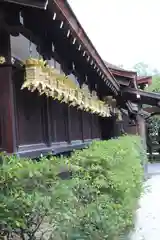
<point>121,71</point>
<point>110,65</point>
<point>140,79</point>
<point>115,67</point>
<point>144,79</point>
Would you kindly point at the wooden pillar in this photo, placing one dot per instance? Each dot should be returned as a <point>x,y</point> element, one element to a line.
<point>92,134</point>
<point>118,128</point>
<point>82,121</point>
<point>47,120</point>
<point>69,124</point>
<point>142,133</point>
<point>107,128</point>
<point>142,129</point>
<point>6,94</point>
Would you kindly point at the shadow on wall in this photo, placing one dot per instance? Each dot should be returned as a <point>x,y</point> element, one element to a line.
<point>110,128</point>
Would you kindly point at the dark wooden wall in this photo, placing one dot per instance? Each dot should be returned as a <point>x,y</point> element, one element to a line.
<point>128,126</point>
<point>28,109</point>
<point>58,121</point>
<point>44,122</point>
<point>7,121</point>
<point>108,128</point>
<point>76,127</point>
<point>29,121</point>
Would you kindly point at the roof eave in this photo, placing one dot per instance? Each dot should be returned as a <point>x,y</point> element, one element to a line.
<point>122,73</point>
<point>76,27</point>
<point>145,80</point>
<point>149,98</point>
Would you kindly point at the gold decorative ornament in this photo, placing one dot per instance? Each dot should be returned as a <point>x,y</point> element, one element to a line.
<point>2,60</point>
<point>119,118</point>
<point>49,81</point>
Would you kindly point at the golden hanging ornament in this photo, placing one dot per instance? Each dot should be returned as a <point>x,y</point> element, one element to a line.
<point>48,81</point>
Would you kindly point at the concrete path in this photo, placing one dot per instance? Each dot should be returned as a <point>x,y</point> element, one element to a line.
<point>153,168</point>
<point>147,225</point>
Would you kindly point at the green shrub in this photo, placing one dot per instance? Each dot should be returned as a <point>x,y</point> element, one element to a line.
<point>97,203</point>
<point>108,185</point>
<point>32,195</point>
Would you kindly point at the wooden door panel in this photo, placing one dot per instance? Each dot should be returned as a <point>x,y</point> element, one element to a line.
<point>76,124</point>
<point>29,108</point>
<point>59,121</point>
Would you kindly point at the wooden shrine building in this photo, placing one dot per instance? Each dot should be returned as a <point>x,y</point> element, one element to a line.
<point>57,94</point>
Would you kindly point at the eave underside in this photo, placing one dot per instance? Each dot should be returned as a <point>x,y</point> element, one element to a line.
<point>77,37</point>
<point>83,39</point>
<point>42,4</point>
<point>141,97</point>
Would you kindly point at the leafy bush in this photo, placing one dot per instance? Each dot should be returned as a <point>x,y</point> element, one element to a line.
<point>108,184</point>
<point>97,203</point>
<point>155,86</point>
<point>31,196</point>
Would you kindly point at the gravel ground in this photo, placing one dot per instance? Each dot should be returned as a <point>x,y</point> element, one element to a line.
<point>147,223</point>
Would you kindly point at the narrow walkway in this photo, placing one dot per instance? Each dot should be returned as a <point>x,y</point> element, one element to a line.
<point>148,215</point>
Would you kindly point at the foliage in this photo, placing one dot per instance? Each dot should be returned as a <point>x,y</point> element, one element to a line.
<point>96,203</point>
<point>153,122</point>
<point>153,134</point>
<point>141,68</point>
<point>31,194</point>
<point>155,86</point>
<point>153,125</point>
<point>144,69</point>
<point>108,184</point>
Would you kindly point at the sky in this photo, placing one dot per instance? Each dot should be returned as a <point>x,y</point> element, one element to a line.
<point>123,31</point>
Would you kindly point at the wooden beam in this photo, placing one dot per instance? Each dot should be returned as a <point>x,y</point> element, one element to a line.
<point>42,4</point>
<point>7,94</point>
<point>77,31</point>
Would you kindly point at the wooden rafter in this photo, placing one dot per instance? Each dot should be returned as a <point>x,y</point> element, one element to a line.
<point>141,97</point>
<point>42,4</point>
